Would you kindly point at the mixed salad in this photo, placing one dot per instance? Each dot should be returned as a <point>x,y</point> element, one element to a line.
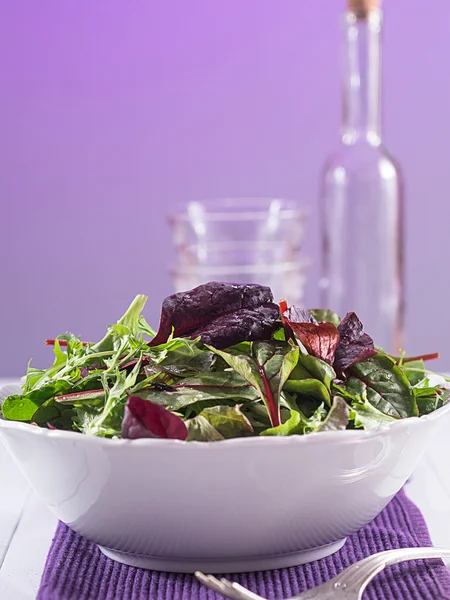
<point>225,362</point>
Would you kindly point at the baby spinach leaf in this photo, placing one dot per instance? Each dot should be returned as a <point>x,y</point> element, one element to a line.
<point>267,370</point>
<point>308,387</point>
<point>298,424</point>
<point>385,386</point>
<point>294,425</point>
<point>366,416</point>
<point>54,415</point>
<point>310,367</point>
<point>22,408</point>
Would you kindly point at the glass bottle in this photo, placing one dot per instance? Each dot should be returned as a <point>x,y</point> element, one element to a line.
<point>361,195</point>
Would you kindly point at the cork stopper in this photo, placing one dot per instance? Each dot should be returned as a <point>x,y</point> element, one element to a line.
<point>362,8</point>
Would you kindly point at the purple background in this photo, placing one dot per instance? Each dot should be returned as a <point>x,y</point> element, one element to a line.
<point>113,111</point>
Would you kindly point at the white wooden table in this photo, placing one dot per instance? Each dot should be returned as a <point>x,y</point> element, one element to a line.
<point>27,526</point>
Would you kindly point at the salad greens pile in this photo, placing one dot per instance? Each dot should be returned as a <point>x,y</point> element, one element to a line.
<point>226,362</point>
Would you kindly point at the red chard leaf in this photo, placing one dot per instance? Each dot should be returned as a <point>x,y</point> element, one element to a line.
<point>144,419</point>
<point>222,314</point>
<point>320,340</point>
<point>354,345</point>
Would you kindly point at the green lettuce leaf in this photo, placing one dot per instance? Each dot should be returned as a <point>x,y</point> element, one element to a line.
<point>229,421</point>
<point>201,430</point>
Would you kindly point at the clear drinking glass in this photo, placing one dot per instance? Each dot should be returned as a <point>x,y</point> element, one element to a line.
<point>361,197</point>
<point>255,240</point>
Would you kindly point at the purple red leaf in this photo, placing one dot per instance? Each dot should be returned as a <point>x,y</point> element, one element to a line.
<point>144,419</point>
<point>222,314</point>
<point>354,345</point>
<point>320,340</point>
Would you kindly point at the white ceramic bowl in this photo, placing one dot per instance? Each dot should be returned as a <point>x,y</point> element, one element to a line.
<point>237,505</point>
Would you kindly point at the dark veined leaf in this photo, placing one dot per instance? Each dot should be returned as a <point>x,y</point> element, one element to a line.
<point>319,340</point>
<point>267,371</point>
<point>384,385</point>
<point>221,314</point>
<point>203,390</point>
<point>354,345</point>
<point>143,419</point>
<point>54,415</point>
<point>366,416</point>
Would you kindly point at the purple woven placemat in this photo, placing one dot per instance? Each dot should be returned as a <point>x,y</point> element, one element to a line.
<point>77,570</point>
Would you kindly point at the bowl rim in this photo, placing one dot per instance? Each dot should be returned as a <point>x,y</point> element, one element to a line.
<point>348,436</point>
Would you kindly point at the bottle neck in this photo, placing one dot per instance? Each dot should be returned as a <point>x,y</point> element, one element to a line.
<point>362,78</point>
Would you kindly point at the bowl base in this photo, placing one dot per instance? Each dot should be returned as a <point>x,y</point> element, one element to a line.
<point>225,565</point>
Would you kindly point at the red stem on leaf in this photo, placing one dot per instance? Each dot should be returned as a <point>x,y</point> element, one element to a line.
<point>80,395</point>
<point>62,343</point>
<point>274,414</point>
<point>287,329</point>
<point>423,357</point>
<point>283,308</point>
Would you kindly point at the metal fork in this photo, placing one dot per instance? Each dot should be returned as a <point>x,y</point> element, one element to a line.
<point>348,585</point>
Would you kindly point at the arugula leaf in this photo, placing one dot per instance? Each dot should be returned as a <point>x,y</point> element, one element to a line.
<point>115,396</point>
<point>129,321</point>
<point>430,393</point>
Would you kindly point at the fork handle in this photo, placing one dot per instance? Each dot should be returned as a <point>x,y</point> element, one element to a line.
<point>359,579</point>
